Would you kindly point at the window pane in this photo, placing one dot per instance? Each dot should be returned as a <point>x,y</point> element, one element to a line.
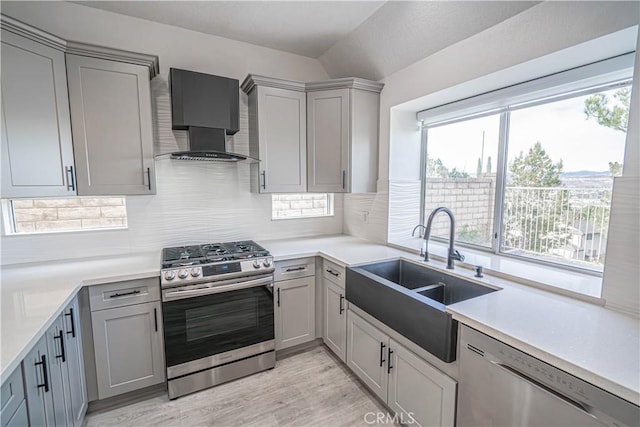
<point>68,214</point>
<point>307,205</point>
<point>461,175</point>
<point>561,164</point>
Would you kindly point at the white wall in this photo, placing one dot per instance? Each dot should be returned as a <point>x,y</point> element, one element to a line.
<point>195,202</point>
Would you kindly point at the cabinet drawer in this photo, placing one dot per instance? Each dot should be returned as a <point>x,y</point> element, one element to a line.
<point>333,272</point>
<point>294,268</point>
<point>11,395</point>
<point>124,293</point>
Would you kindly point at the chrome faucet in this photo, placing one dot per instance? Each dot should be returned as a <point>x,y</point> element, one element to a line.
<point>453,254</point>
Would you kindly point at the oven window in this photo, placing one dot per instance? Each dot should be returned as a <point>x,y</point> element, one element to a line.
<point>207,325</point>
<point>212,321</point>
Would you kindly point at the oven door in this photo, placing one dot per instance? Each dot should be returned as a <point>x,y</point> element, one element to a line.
<point>206,324</point>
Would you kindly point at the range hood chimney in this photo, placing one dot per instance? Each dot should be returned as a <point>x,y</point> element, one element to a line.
<point>207,107</point>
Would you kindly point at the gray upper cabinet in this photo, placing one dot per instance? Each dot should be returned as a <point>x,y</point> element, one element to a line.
<point>277,134</point>
<point>37,151</point>
<point>342,135</point>
<point>112,129</point>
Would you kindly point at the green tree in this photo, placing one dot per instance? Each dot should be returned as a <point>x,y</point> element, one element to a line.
<point>455,173</point>
<point>615,168</point>
<point>436,169</point>
<point>613,115</point>
<point>536,169</point>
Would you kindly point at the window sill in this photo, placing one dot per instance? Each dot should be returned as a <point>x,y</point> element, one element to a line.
<point>554,279</point>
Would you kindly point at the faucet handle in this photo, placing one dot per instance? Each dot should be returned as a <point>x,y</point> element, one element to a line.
<point>457,255</point>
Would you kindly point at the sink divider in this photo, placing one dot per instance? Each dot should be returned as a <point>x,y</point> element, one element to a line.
<point>428,287</point>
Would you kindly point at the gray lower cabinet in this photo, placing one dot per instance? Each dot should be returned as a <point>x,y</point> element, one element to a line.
<point>37,150</point>
<point>416,391</point>
<point>112,131</point>
<point>13,409</point>
<point>58,374</point>
<point>334,305</point>
<point>75,362</point>
<point>126,319</point>
<point>295,311</point>
<point>38,387</point>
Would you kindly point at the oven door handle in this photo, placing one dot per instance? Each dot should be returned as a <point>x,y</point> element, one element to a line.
<point>210,290</point>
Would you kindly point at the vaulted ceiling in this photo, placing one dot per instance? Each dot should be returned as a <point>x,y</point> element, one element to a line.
<point>369,39</point>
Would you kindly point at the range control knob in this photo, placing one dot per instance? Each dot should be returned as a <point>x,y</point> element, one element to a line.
<point>266,263</point>
<point>169,275</point>
<point>183,274</point>
<point>256,264</point>
<point>195,272</point>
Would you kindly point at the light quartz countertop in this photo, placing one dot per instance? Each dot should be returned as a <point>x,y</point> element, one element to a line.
<point>596,344</point>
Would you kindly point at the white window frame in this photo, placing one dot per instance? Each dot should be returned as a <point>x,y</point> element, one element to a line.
<point>596,77</point>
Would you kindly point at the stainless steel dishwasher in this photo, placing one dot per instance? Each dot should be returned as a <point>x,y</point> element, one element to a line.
<point>502,386</point>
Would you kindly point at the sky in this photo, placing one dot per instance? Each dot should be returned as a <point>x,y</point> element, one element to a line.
<point>561,127</point>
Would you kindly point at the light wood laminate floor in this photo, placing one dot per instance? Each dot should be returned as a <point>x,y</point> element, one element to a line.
<point>306,389</point>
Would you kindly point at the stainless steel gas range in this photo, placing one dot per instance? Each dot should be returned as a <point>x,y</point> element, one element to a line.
<point>217,303</point>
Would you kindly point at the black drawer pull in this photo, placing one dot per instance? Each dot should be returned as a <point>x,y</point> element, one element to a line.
<point>45,374</point>
<point>389,359</point>
<point>124,294</point>
<point>296,269</point>
<point>62,351</point>
<point>330,271</point>
<point>382,346</point>
<point>278,292</point>
<point>73,323</point>
<point>341,304</point>
<point>155,317</point>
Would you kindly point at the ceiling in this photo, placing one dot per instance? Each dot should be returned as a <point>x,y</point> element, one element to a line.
<point>368,39</point>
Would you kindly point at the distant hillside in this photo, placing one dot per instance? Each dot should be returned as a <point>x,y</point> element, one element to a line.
<point>580,174</point>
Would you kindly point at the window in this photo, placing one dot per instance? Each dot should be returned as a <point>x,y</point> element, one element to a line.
<point>530,173</point>
<point>307,205</point>
<point>28,216</point>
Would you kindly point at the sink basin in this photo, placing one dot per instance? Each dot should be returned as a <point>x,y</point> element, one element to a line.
<point>436,285</point>
<point>411,299</point>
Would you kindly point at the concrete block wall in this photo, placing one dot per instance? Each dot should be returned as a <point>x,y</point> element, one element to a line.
<point>470,199</point>
<point>43,215</point>
<point>301,205</point>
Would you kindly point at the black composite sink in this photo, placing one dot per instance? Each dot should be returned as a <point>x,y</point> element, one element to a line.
<point>411,299</point>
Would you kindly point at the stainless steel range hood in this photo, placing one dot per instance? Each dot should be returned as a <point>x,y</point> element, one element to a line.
<point>206,106</point>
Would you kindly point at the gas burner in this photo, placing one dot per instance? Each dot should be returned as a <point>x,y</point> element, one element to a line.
<point>210,253</point>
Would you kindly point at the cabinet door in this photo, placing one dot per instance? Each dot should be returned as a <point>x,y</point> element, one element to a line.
<point>11,396</point>
<point>112,131</point>
<point>128,348</point>
<point>282,134</point>
<point>295,312</point>
<point>19,418</point>
<point>37,151</point>
<point>419,392</point>
<point>367,351</point>
<point>334,333</point>
<point>328,130</point>
<point>37,383</point>
<point>75,362</point>
<point>59,374</point>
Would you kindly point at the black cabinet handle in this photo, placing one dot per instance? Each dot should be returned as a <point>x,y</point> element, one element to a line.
<point>155,317</point>
<point>341,304</point>
<point>278,292</point>
<point>62,354</point>
<point>389,359</point>
<point>295,269</point>
<point>73,323</point>
<point>333,273</point>
<point>116,295</point>
<point>71,182</point>
<point>149,178</point>
<point>45,373</point>
<point>264,180</point>
<point>382,346</point>
<point>344,179</point>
